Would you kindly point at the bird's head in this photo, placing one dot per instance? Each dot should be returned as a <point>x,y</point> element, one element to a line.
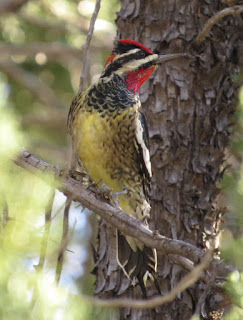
<point>134,62</point>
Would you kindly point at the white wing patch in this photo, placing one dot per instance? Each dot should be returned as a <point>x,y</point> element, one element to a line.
<point>140,140</point>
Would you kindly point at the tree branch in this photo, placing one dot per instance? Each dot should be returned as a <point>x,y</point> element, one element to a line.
<point>44,242</point>
<point>117,218</point>
<point>185,283</point>
<point>214,19</point>
<point>45,237</point>
<point>64,241</point>
<point>86,47</point>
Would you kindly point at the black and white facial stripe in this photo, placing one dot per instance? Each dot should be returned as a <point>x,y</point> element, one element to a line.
<point>132,60</point>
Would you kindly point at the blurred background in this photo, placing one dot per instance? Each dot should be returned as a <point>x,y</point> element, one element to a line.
<point>41,61</point>
<point>40,65</point>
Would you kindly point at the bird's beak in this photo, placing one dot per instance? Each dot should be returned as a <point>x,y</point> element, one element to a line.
<point>167,57</point>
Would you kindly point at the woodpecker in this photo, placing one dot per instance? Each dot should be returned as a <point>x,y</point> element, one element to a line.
<point>111,142</point>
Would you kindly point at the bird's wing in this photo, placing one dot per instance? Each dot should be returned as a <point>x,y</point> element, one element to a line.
<point>76,105</point>
<point>142,140</point>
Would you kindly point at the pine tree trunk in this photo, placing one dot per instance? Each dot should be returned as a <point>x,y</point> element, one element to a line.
<point>188,105</point>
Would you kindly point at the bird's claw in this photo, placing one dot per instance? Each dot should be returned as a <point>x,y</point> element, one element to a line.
<point>79,176</point>
<point>107,193</point>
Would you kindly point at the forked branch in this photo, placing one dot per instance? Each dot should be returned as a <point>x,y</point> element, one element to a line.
<point>214,19</point>
<point>185,283</point>
<point>117,218</point>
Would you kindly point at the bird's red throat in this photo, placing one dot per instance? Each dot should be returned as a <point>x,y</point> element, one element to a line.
<point>136,78</point>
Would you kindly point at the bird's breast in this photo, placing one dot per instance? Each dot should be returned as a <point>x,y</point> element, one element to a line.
<point>106,146</point>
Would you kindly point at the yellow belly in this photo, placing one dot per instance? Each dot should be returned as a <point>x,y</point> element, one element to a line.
<point>93,137</point>
<point>107,151</point>
<point>106,157</point>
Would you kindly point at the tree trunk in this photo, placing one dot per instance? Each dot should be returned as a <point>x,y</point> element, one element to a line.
<point>188,104</point>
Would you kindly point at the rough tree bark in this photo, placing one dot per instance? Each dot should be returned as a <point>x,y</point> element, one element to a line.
<point>188,105</point>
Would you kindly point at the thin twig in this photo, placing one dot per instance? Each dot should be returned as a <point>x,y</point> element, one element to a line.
<point>207,290</point>
<point>214,19</point>
<point>127,224</point>
<point>84,73</point>
<point>44,242</point>
<point>5,213</point>
<point>189,266</point>
<point>45,237</point>
<point>185,283</point>
<point>64,241</point>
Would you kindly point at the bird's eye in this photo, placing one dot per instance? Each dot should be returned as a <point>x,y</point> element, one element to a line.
<point>141,54</point>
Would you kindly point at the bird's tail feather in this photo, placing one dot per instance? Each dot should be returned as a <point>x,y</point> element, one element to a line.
<point>137,264</point>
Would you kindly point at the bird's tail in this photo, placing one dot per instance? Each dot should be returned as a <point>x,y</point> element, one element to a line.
<point>137,261</point>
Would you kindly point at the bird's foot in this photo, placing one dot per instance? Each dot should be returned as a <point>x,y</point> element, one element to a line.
<point>107,193</point>
<point>79,176</point>
<point>115,196</point>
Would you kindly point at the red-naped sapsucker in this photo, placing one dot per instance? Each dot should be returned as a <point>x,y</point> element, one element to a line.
<point>111,142</point>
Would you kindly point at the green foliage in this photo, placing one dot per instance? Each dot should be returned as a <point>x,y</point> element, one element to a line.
<point>26,120</point>
<point>50,23</point>
<point>232,238</point>
<point>235,289</point>
<point>27,292</point>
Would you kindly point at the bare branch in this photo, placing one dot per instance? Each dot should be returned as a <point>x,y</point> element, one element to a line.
<point>44,243</point>
<point>189,265</point>
<point>64,241</point>
<point>4,216</point>
<point>185,283</point>
<point>214,19</point>
<point>117,218</point>
<point>86,47</point>
<point>45,237</point>
<point>31,82</point>
<point>11,5</point>
<point>84,73</point>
